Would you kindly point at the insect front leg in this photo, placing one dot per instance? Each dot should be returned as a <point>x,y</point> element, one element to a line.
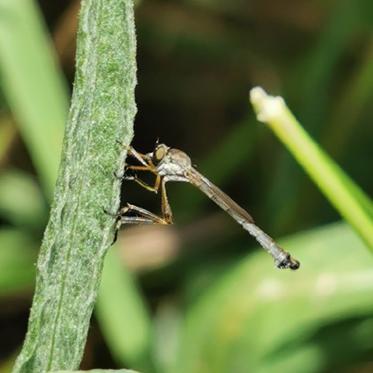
<point>144,159</point>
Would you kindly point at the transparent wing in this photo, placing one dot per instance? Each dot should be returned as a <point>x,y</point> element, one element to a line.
<point>218,196</point>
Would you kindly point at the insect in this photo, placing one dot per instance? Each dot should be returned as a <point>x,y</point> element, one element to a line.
<point>170,164</point>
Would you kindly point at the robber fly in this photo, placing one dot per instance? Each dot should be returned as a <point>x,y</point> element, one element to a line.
<point>170,164</point>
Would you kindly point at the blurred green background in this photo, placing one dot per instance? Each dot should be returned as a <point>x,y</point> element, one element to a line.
<point>200,296</point>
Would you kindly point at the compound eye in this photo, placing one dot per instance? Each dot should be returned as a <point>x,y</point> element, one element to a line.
<point>159,153</point>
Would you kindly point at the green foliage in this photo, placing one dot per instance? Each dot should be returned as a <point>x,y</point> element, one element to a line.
<point>315,77</point>
<point>254,318</point>
<point>124,319</point>
<point>21,200</point>
<point>346,196</point>
<point>16,261</point>
<point>96,371</point>
<point>79,231</point>
<point>211,306</point>
<point>33,85</point>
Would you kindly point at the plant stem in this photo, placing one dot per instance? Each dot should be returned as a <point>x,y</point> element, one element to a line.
<point>341,191</point>
<point>79,231</point>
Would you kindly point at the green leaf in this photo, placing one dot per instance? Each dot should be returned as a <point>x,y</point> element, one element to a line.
<point>21,201</point>
<point>312,92</point>
<point>33,85</point>
<point>314,76</point>
<point>353,101</point>
<point>79,231</point>
<point>122,314</point>
<point>95,371</point>
<point>7,135</point>
<point>17,262</point>
<point>254,318</point>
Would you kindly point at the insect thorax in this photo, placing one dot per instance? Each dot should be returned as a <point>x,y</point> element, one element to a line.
<point>175,162</point>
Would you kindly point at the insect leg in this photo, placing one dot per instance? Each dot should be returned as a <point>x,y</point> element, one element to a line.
<point>134,220</point>
<point>154,188</point>
<point>142,212</point>
<point>144,159</point>
<point>166,208</point>
<point>139,168</point>
<point>146,217</point>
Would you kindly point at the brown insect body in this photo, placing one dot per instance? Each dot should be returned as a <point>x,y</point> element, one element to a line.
<point>170,164</point>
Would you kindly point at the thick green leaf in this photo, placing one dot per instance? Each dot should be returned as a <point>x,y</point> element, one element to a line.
<point>79,231</point>
<point>255,317</point>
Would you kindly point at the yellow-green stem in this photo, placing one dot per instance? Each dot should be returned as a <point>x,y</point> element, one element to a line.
<point>341,191</point>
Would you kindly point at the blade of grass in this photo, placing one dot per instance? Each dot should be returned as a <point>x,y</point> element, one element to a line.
<point>97,371</point>
<point>252,316</point>
<point>314,76</point>
<point>345,122</point>
<point>320,63</point>
<point>125,324</point>
<point>353,100</point>
<point>7,135</point>
<point>342,192</point>
<point>33,85</point>
<point>17,257</point>
<point>79,231</point>
<point>21,201</point>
